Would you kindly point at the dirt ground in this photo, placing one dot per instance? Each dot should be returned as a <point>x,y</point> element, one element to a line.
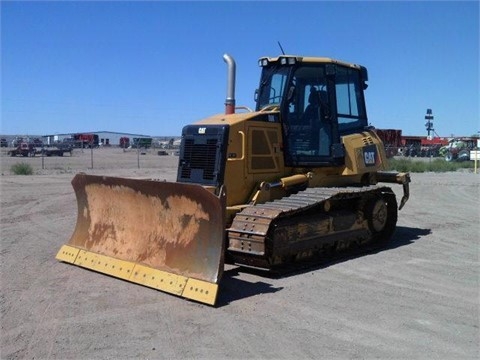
<point>418,298</point>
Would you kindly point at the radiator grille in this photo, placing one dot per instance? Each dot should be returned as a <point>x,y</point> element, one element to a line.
<point>203,154</point>
<point>200,157</point>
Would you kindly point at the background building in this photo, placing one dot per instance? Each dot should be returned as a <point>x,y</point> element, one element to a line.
<point>105,138</point>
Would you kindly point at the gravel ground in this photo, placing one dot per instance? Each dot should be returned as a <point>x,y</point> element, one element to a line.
<point>418,298</point>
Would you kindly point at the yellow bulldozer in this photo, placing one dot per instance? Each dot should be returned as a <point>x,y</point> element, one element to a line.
<point>301,176</point>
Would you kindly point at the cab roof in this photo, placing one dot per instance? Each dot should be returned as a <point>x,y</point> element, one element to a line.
<point>312,59</point>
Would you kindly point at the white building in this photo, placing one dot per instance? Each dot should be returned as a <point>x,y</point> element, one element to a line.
<point>105,138</point>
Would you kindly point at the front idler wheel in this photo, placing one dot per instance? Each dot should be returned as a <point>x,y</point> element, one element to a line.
<point>381,215</point>
<point>378,219</point>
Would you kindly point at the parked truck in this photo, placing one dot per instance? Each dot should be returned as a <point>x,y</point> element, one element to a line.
<point>86,140</point>
<point>23,149</point>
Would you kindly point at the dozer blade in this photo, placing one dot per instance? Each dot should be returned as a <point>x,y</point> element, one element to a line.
<point>168,236</point>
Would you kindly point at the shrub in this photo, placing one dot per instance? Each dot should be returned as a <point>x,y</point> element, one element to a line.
<point>435,165</point>
<point>21,169</point>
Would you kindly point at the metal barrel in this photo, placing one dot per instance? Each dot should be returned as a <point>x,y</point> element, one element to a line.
<point>164,235</point>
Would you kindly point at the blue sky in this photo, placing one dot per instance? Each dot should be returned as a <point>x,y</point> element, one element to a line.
<point>153,67</point>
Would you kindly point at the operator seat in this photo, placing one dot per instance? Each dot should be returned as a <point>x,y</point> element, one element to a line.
<point>315,117</point>
<point>311,116</point>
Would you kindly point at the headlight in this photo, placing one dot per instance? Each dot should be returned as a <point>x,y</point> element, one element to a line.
<point>263,62</point>
<point>288,60</point>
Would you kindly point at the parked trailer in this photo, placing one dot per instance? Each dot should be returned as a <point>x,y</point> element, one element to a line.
<point>58,150</point>
<point>140,143</point>
<point>412,146</point>
<point>422,146</point>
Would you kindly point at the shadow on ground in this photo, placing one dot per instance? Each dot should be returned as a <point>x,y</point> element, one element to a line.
<point>233,289</point>
<point>405,236</point>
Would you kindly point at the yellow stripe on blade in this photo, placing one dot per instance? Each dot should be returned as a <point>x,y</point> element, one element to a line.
<point>105,264</point>
<point>194,289</point>
<point>201,291</point>
<point>67,254</point>
<point>157,279</point>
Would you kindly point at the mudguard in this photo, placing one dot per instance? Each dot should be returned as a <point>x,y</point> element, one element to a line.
<point>164,235</point>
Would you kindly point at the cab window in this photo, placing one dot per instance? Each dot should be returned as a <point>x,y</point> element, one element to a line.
<point>350,102</point>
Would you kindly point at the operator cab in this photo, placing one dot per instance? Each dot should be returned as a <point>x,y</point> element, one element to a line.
<point>320,100</point>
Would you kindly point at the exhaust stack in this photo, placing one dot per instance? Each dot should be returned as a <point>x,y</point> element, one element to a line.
<point>230,100</point>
